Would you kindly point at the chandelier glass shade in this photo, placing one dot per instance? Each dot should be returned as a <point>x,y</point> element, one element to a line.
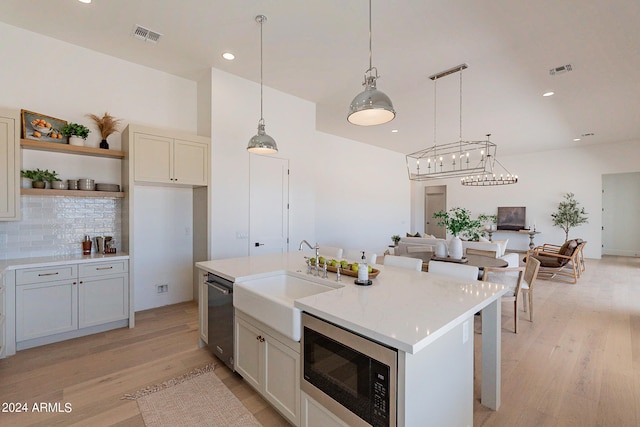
<point>261,143</point>
<point>371,106</point>
<point>473,161</point>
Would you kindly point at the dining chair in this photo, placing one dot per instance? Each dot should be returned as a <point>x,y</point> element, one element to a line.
<point>330,251</point>
<point>403,262</point>
<point>481,252</point>
<point>453,269</point>
<point>356,255</point>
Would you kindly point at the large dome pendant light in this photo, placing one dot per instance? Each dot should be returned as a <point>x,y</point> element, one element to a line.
<point>370,107</point>
<point>261,143</point>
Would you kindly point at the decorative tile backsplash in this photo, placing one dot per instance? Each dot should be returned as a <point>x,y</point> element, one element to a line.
<point>57,226</point>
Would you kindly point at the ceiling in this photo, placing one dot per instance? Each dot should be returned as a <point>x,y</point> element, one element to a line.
<point>319,51</point>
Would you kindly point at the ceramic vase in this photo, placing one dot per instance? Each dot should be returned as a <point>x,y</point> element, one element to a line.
<point>455,248</point>
<point>441,250</point>
<point>76,140</point>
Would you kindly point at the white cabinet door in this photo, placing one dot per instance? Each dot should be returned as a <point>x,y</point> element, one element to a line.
<point>314,414</point>
<point>153,158</point>
<point>46,308</point>
<point>249,355</point>
<point>190,162</point>
<point>9,166</point>
<point>102,300</point>
<point>282,378</point>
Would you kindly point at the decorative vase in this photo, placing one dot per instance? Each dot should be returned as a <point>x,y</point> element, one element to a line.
<point>104,144</point>
<point>441,250</point>
<point>455,248</point>
<point>76,140</point>
<point>26,183</point>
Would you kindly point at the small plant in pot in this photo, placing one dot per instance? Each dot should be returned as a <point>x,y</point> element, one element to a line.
<point>396,239</point>
<point>39,177</point>
<point>77,133</point>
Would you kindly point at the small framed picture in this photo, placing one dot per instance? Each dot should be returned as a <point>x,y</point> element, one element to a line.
<point>39,127</point>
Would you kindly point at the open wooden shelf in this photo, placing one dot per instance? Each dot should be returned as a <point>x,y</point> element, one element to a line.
<point>70,149</point>
<point>70,193</point>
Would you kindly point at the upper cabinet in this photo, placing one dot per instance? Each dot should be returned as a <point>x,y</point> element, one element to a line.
<point>167,158</point>
<point>9,165</point>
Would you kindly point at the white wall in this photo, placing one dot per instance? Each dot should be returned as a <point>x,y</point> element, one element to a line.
<point>544,178</point>
<point>68,82</point>
<point>335,198</point>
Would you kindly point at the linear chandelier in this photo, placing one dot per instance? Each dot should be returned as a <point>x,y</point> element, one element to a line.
<point>473,161</point>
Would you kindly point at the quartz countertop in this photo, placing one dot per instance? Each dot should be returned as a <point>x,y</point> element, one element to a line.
<point>403,309</point>
<point>12,264</point>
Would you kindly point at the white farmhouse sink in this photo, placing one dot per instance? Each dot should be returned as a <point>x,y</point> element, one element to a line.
<point>270,300</point>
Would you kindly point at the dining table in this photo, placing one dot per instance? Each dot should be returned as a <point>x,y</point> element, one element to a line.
<point>479,261</point>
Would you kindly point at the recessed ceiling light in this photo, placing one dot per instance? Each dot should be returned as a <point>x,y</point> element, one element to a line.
<point>576,139</point>
<point>228,56</point>
<point>548,93</point>
<point>85,1</point>
<point>394,130</point>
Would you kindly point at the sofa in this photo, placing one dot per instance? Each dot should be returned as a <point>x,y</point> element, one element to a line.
<point>411,244</point>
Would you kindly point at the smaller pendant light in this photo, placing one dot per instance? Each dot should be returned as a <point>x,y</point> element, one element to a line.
<point>370,107</point>
<point>261,143</point>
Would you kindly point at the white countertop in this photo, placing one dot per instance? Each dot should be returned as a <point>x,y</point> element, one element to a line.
<point>12,264</point>
<point>403,309</point>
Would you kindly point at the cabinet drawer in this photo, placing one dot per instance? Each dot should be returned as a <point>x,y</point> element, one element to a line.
<point>94,269</point>
<point>46,274</point>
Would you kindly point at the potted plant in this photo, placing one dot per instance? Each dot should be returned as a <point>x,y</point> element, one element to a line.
<point>77,133</point>
<point>39,177</point>
<point>569,215</point>
<point>107,125</point>
<point>396,239</point>
<point>458,221</point>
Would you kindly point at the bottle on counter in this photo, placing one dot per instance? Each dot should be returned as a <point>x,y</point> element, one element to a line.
<point>363,269</point>
<point>86,245</point>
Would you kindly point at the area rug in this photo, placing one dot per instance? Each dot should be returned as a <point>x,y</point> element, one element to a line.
<point>197,398</point>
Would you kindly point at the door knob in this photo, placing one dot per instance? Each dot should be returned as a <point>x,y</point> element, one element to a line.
<point>258,244</point>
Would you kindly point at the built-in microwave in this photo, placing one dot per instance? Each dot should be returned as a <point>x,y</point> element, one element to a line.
<point>352,376</point>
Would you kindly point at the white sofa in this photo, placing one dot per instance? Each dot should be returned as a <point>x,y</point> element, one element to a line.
<point>410,244</point>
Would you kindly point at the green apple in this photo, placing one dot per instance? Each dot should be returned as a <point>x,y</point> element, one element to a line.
<point>354,267</point>
<point>370,269</point>
<point>335,263</point>
<point>344,263</point>
<point>321,260</point>
<point>312,260</point>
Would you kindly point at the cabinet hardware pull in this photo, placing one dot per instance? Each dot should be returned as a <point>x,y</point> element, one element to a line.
<point>47,274</point>
<point>74,283</point>
<point>104,268</point>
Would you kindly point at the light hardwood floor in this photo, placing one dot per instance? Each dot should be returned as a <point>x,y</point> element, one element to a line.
<point>578,364</point>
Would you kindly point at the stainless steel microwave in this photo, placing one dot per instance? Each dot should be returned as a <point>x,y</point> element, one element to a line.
<point>353,377</point>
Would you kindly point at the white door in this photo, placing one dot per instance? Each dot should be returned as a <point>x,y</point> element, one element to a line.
<point>268,205</point>
<point>435,200</point>
<point>620,206</point>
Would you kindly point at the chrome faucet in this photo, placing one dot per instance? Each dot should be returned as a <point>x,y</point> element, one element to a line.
<point>316,248</point>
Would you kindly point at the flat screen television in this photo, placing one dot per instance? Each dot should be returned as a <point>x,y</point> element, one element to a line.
<point>511,218</point>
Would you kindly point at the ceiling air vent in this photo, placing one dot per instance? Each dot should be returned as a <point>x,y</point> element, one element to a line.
<point>560,70</point>
<point>145,34</point>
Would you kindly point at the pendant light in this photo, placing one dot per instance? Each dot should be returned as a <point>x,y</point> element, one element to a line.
<point>261,143</point>
<point>370,107</point>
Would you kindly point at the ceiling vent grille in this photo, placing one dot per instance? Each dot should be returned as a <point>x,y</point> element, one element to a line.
<point>145,34</point>
<point>560,70</point>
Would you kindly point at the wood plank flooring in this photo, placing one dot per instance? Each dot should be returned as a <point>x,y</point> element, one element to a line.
<point>577,364</point>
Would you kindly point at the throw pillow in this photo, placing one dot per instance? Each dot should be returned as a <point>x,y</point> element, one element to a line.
<point>417,235</point>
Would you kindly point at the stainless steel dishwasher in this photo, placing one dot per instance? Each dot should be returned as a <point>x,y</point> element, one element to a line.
<point>220,318</point>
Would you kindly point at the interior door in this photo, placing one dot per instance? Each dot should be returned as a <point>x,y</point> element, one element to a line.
<point>620,206</point>
<point>435,200</point>
<point>268,205</point>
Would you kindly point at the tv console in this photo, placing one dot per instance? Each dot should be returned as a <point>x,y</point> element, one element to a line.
<point>531,234</point>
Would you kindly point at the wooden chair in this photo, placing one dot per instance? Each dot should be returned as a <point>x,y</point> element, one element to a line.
<point>505,276</point>
<point>481,252</point>
<point>558,262</point>
<point>403,262</point>
<point>453,269</point>
<point>580,249</point>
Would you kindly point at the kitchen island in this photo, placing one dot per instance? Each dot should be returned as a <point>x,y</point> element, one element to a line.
<point>427,318</point>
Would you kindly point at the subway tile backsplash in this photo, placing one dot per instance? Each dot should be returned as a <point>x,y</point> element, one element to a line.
<point>56,225</point>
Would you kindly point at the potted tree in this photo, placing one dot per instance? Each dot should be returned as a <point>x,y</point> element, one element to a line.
<point>107,125</point>
<point>77,133</point>
<point>569,215</point>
